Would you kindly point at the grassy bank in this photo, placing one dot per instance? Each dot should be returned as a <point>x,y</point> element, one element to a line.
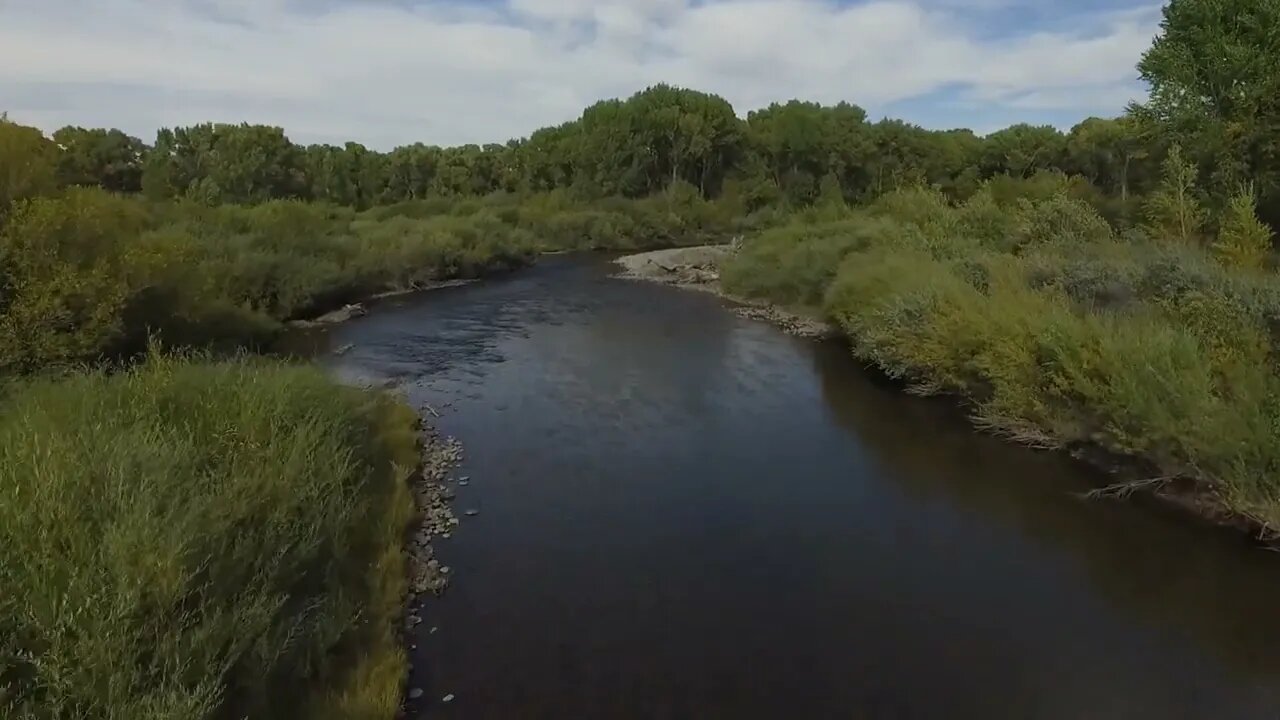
<point>195,540</point>
<point>1056,329</point>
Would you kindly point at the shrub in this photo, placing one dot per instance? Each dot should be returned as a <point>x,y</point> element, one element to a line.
<point>64,268</point>
<point>189,540</point>
<point>793,265</point>
<point>1055,333</point>
<point>1244,241</point>
<point>1174,212</point>
<point>1059,220</point>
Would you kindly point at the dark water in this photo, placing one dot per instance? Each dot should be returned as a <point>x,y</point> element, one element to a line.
<point>685,514</point>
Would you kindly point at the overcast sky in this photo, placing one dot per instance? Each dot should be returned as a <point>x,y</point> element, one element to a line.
<point>389,72</point>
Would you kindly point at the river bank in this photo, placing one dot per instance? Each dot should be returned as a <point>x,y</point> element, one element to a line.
<point>698,268</point>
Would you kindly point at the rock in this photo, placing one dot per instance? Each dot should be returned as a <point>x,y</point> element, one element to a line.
<point>447,698</point>
<point>414,621</point>
<point>445,536</point>
<point>415,693</point>
<point>464,482</point>
<point>473,512</point>
<point>434,630</point>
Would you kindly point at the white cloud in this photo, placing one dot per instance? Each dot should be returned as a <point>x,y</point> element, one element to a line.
<point>449,71</point>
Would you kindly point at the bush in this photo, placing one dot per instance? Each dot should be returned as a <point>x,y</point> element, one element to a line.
<point>793,265</point>
<point>1053,330</point>
<point>1244,241</point>
<point>89,275</point>
<point>66,274</point>
<point>190,540</point>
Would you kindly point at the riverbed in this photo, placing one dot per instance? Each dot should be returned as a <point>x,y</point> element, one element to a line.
<point>682,513</point>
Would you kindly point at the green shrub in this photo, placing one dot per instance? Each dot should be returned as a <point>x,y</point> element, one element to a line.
<point>65,268</point>
<point>187,540</point>
<point>1244,241</point>
<point>1059,220</point>
<point>793,265</point>
<point>1174,211</point>
<point>1052,330</point>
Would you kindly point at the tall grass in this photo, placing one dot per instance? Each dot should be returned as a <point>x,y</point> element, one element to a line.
<point>192,540</point>
<point>1056,329</point>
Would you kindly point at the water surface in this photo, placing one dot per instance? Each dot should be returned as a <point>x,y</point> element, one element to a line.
<point>686,514</point>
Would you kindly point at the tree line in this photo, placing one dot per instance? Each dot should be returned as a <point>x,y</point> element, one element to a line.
<point>1214,92</point>
<point>631,148</point>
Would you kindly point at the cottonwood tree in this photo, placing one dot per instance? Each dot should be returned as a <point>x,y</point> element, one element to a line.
<point>1214,73</point>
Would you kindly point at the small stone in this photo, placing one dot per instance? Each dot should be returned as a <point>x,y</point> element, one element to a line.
<point>446,536</point>
<point>445,570</point>
<point>465,478</point>
<point>472,513</point>
<point>415,693</point>
<point>433,631</point>
<point>415,620</point>
<point>447,698</point>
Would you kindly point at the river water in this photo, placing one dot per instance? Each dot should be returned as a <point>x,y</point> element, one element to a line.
<point>686,514</point>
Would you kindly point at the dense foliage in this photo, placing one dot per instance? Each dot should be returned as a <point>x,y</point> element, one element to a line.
<point>188,540</point>
<point>1056,328</point>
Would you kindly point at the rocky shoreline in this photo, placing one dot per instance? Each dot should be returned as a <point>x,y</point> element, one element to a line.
<point>434,489</point>
<point>432,494</point>
<point>698,268</point>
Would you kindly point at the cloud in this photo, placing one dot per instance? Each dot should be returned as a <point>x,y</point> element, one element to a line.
<point>387,72</point>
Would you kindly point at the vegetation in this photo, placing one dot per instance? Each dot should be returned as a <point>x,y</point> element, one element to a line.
<point>1056,329</point>
<point>194,540</point>
<point>200,539</point>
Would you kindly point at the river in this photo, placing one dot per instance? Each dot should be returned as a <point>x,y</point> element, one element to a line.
<point>687,514</point>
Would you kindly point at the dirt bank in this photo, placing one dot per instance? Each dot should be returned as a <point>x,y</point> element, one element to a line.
<point>698,268</point>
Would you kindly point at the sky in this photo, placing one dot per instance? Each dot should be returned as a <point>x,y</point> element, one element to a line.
<point>393,72</point>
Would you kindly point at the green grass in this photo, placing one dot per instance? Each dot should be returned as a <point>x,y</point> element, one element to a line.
<point>1053,328</point>
<point>189,540</point>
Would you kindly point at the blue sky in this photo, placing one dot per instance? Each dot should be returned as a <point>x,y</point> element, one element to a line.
<point>388,72</point>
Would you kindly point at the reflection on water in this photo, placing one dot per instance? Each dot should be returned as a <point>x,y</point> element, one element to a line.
<point>687,514</point>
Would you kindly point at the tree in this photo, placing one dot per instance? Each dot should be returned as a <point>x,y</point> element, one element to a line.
<point>245,163</point>
<point>1108,152</point>
<point>799,143</point>
<point>28,164</point>
<point>1020,150</point>
<point>1243,241</point>
<point>1215,87</point>
<point>410,170</point>
<point>1174,211</point>
<point>108,159</point>
<point>349,175</point>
